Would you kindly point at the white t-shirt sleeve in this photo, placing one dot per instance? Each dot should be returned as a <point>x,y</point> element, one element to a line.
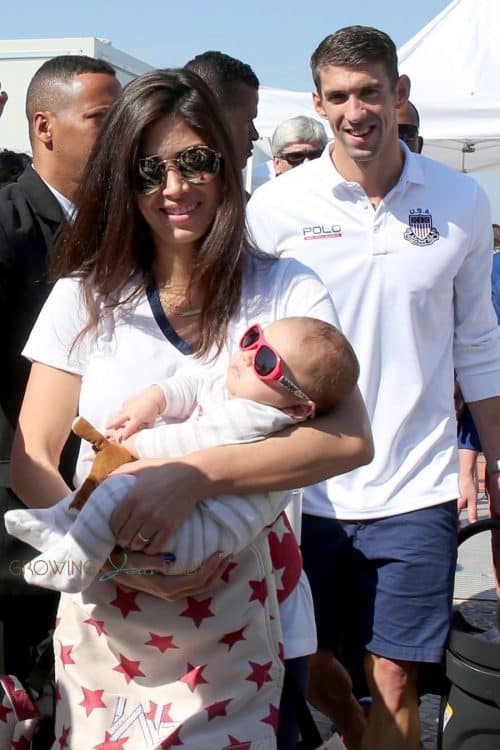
<point>305,294</point>
<point>282,288</point>
<point>261,221</point>
<point>54,338</point>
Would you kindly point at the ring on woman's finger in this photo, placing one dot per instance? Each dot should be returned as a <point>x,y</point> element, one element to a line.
<point>142,538</point>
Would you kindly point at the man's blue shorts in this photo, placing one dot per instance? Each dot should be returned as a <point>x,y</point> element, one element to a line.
<point>383,585</point>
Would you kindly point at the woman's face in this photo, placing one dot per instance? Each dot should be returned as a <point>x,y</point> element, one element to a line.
<point>179,213</point>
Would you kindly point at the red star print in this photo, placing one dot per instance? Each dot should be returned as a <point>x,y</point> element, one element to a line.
<point>57,692</point>
<point>109,744</point>
<point>4,710</point>
<point>125,601</point>
<point>259,589</point>
<point>92,699</point>
<point>237,744</point>
<point>161,642</point>
<point>259,673</point>
<point>165,713</point>
<point>24,706</point>
<point>129,668</point>
<point>194,677</point>
<point>285,556</point>
<point>172,739</point>
<point>272,718</point>
<point>21,744</point>
<point>231,638</point>
<point>198,611</point>
<point>152,710</point>
<point>63,739</point>
<point>217,709</point>
<point>227,571</point>
<point>281,526</point>
<point>65,655</point>
<point>97,624</point>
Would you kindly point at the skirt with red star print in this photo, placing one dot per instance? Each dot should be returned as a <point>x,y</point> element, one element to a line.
<point>134,671</point>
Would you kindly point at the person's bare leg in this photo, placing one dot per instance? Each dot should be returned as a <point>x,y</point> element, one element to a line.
<point>393,722</point>
<point>330,691</point>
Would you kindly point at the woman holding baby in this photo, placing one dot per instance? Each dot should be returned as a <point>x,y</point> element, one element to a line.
<point>155,275</point>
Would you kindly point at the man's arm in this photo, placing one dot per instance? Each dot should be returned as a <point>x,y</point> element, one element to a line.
<point>486,415</point>
<point>467,483</point>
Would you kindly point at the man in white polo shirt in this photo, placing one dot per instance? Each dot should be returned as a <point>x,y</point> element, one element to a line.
<point>404,245</point>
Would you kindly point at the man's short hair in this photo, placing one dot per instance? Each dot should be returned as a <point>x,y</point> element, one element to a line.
<point>50,86</point>
<point>353,46</point>
<point>223,74</point>
<point>414,111</point>
<point>298,130</point>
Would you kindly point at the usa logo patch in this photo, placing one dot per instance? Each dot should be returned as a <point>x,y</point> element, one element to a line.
<point>420,230</point>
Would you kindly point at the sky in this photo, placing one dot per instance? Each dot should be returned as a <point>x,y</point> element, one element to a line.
<point>276,37</point>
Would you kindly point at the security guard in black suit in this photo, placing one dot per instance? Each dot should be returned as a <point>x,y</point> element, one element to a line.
<point>66,102</point>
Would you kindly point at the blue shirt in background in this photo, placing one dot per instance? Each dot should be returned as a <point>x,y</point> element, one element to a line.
<point>467,433</point>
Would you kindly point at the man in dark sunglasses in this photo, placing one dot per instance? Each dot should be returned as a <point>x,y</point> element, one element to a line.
<point>408,126</point>
<point>295,141</point>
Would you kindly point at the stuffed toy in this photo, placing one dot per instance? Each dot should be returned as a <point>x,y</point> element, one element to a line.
<point>109,456</point>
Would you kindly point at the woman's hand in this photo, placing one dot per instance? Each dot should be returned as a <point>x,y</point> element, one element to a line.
<point>164,495</point>
<point>167,587</point>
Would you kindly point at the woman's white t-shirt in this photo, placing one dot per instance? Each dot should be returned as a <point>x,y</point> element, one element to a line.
<point>132,348</point>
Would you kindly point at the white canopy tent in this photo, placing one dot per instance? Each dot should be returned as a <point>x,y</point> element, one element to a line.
<point>454,67</point>
<point>275,105</point>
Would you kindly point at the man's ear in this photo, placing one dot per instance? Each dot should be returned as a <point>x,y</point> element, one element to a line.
<point>276,165</point>
<point>301,412</point>
<point>318,104</point>
<point>403,86</point>
<point>420,146</point>
<point>42,127</point>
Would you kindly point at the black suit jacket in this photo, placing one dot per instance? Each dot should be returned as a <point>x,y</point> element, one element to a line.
<point>29,218</point>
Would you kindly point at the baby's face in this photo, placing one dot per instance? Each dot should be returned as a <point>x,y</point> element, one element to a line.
<point>242,380</point>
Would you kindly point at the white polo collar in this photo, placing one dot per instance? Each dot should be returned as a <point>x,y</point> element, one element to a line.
<point>412,172</point>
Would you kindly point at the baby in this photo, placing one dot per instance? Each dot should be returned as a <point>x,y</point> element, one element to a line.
<point>296,368</point>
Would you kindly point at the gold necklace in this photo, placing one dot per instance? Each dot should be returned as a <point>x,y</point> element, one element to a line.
<point>179,309</point>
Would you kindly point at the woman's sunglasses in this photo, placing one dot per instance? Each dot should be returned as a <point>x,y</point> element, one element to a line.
<point>267,362</point>
<point>295,158</point>
<point>196,164</point>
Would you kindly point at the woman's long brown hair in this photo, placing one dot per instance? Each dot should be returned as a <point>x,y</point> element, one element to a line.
<point>110,243</point>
